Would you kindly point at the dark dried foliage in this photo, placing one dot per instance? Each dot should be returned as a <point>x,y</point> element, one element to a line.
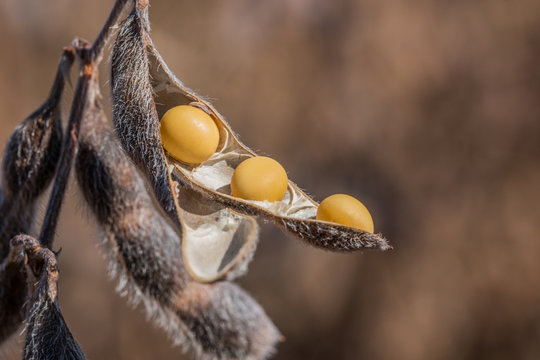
<point>31,154</point>
<point>47,335</point>
<point>30,160</point>
<point>28,167</point>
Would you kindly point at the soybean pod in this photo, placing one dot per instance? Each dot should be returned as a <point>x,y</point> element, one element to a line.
<point>212,178</point>
<point>216,240</point>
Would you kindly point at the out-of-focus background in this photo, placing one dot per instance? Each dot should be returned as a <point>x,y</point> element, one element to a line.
<point>427,111</point>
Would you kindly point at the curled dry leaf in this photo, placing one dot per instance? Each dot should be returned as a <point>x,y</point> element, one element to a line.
<point>215,239</point>
<point>295,212</point>
<point>47,335</point>
<point>216,321</point>
<point>30,160</point>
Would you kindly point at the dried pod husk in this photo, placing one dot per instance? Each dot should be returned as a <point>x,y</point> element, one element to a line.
<point>28,167</point>
<point>13,292</point>
<point>215,240</point>
<point>47,335</point>
<point>215,321</point>
<point>30,159</point>
<point>295,212</point>
<point>31,154</point>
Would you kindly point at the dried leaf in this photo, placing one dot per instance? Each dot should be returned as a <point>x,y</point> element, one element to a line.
<point>215,321</point>
<point>47,335</point>
<point>215,239</point>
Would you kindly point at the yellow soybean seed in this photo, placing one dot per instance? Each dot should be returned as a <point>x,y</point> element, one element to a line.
<point>346,210</point>
<point>189,134</point>
<point>259,178</point>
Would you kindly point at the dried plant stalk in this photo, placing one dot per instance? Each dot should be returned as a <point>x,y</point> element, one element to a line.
<point>215,321</point>
<point>134,111</point>
<point>27,169</point>
<point>47,335</point>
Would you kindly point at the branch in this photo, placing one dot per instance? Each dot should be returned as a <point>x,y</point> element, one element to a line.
<point>104,35</point>
<point>69,149</point>
<point>89,58</point>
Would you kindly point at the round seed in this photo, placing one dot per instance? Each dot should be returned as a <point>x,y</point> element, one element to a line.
<point>189,134</point>
<point>346,210</point>
<point>259,178</point>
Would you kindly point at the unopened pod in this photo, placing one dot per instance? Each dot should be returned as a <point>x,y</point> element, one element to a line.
<point>28,167</point>
<point>30,159</point>
<point>144,89</point>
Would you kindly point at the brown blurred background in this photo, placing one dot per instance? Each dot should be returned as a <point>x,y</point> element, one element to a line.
<point>427,111</point>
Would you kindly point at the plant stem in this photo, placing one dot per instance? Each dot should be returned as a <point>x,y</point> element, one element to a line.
<point>11,209</point>
<point>104,35</point>
<point>89,57</point>
<point>69,150</point>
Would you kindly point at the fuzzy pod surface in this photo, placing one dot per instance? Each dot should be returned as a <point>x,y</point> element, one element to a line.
<point>134,113</point>
<point>28,166</point>
<point>30,159</point>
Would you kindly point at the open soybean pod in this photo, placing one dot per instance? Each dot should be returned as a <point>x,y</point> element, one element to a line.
<point>295,212</point>
<point>215,239</point>
<point>47,335</point>
<point>215,321</point>
<point>30,160</point>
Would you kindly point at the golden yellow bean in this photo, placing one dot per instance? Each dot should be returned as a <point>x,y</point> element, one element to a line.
<point>346,210</point>
<point>189,134</point>
<point>259,178</point>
